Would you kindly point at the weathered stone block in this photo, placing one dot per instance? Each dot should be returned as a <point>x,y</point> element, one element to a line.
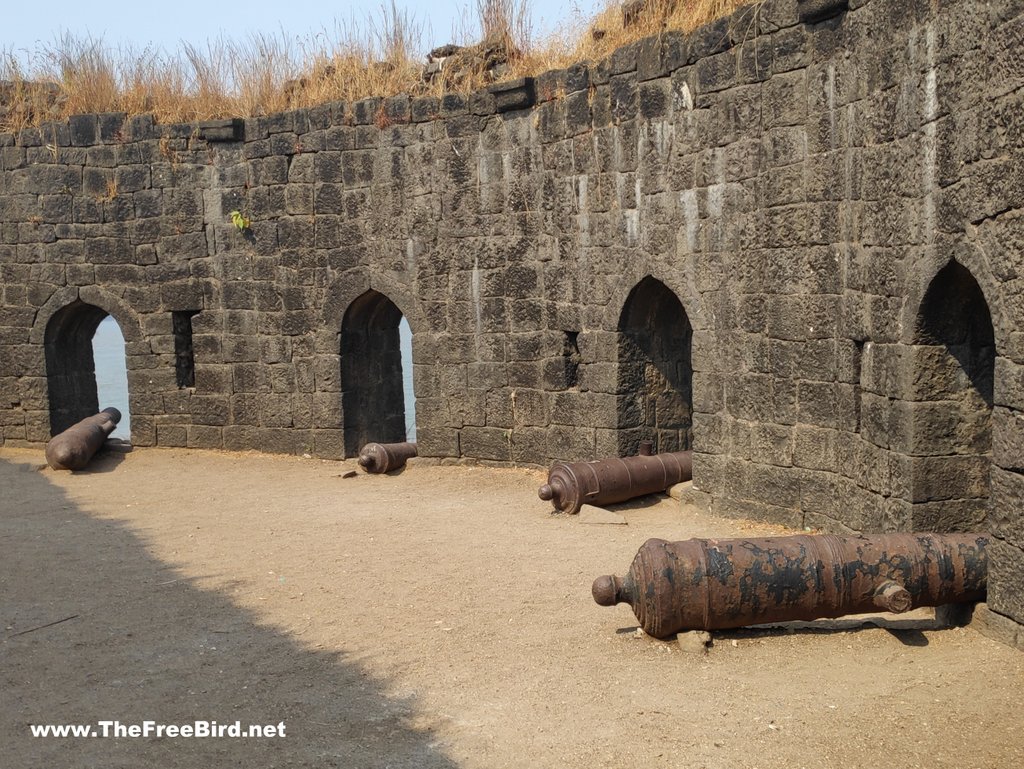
<point>209,410</point>
<point>813,11</point>
<point>950,478</point>
<point>84,129</point>
<point>1006,579</point>
<point>453,104</point>
<point>654,98</point>
<point>1005,517</point>
<point>757,511</point>
<point>710,39</point>
<point>716,73</point>
<point>491,443</point>
<point>424,108</point>
<point>624,96</point>
<point>992,625</point>
<point>205,437</point>
<point>784,100</point>
<point>649,58</point>
<point>1008,439</point>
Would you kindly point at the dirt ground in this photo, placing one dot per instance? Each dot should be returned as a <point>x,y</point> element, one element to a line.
<point>439,617</point>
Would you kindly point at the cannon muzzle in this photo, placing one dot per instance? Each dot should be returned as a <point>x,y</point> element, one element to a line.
<point>714,584</point>
<point>75,447</point>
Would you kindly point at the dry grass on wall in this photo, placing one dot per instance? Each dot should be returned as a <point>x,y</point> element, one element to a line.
<point>270,73</point>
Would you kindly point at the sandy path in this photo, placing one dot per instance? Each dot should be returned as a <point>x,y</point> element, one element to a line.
<point>440,617</point>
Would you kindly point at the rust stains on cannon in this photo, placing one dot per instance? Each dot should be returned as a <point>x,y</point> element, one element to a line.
<point>606,481</point>
<point>73,448</point>
<point>714,584</point>
<point>384,457</point>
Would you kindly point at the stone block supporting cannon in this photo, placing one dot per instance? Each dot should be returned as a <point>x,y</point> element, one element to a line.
<point>714,584</point>
<point>73,448</point>
<point>607,481</point>
<point>384,457</point>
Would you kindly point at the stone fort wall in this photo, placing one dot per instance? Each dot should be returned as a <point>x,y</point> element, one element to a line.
<point>791,240</point>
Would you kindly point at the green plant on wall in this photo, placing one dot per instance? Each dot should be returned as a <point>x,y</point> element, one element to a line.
<point>240,220</point>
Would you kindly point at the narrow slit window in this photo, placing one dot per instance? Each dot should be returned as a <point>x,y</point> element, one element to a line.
<point>184,356</point>
<point>571,355</point>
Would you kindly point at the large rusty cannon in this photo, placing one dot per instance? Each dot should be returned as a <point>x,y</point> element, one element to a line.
<point>383,457</point>
<point>606,481</point>
<point>73,448</point>
<point>714,584</point>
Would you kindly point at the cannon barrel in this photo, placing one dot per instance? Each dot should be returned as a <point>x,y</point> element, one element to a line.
<point>714,584</point>
<point>606,481</point>
<point>382,457</point>
<point>73,448</point>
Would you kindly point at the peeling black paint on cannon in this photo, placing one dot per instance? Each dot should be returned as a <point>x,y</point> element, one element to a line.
<point>946,569</point>
<point>975,565</point>
<point>719,566</point>
<point>774,574</point>
<point>778,579</point>
<point>669,575</point>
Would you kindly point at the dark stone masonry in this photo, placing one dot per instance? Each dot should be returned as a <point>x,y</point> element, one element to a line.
<point>792,240</point>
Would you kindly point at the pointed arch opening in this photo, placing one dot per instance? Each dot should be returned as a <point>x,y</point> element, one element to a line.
<point>655,379</point>
<point>85,366</point>
<point>952,387</point>
<point>377,394</point>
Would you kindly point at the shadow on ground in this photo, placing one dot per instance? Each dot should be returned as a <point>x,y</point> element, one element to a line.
<point>909,632</point>
<point>138,642</point>
<point>105,461</point>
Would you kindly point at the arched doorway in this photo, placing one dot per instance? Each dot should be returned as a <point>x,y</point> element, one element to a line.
<point>952,390</point>
<point>85,366</point>
<point>655,381</point>
<point>373,379</point>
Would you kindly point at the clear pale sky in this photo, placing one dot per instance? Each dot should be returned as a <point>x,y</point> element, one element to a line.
<point>25,25</point>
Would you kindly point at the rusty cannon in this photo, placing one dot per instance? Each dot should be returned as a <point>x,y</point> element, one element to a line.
<point>606,481</point>
<point>715,584</point>
<point>384,457</point>
<point>73,448</point>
